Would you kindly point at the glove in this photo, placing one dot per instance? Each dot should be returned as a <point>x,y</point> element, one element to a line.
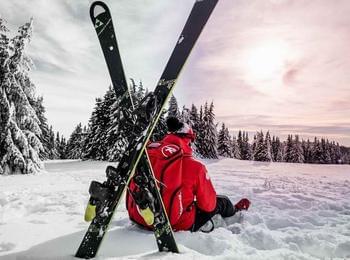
<point>243,204</point>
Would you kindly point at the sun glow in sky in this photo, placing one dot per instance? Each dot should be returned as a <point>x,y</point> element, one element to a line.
<point>278,65</point>
<point>265,61</point>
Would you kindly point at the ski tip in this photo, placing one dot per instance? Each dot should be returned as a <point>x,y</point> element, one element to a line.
<point>97,8</point>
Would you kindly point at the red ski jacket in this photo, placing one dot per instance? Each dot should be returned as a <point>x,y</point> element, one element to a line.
<point>197,189</point>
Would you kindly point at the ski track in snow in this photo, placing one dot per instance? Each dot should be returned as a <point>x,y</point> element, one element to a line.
<point>297,212</point>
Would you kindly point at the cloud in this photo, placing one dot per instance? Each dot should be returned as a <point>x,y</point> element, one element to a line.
<point>310,89</point>
<point>340,105</point>
<point>49,67</point>
<point>290,75</point>
<point>70,69</point>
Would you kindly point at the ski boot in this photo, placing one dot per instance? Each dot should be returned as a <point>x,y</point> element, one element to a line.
<point>113,176</point>
<point>99,193</point>
<point>144,199</point>
<point>146,109</point>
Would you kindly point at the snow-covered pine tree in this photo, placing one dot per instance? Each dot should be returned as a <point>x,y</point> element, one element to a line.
<point>45,134</point>
<point>326,156</point>
<point>316,151</point>
<point>288,149</point>
<point>332,152</point>
<point>344,155</point>
<point>224,142</point>
<point>117,129</point>
<point>194,123</point>
<point>293,150</point>
<point>227,133</point>
<point>61,146</point>
<point>133,90</point>
<point>161,128</point>
<point>186,115</point>
<point>337,154</point>
<point>235,149</point>
<point>273,148</point>
<point>75,143</point>
<point>173,110</point>
<point>329,150</point>
<point>267,145</point>
<point>109,134</point>
<point>194,118</point>
<point>142,91</point>
<point>58,144</point>
<point>240,144</point>
<point>209,129</point>
<point>93,141</point>
<point>279,147</point>
<point>306,146</point>
<point>261,149</point>
<point>276,149</point>
<point>199,142</point>
<point>253,147</point>
<point>244,146</point>
<point>247,148</point>
<point>137,92</point>
<point>4,104</point>
<point>297,151</point>
<point>258,147</point>
<point>20,125</point>
<point>52,147</point>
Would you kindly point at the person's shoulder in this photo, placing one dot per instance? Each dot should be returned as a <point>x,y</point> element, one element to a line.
<point>195,163</point>
<point>198,168</point>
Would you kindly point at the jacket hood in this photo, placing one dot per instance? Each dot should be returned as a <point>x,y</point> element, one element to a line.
<point>182,142</point>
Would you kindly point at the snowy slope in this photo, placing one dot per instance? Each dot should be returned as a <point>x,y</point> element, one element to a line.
<point>298,212</point>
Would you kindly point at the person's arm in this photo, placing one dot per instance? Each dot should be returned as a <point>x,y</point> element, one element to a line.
<point>205,195</point>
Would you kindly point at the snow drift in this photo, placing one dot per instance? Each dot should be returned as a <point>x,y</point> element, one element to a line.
<point>298,211</point>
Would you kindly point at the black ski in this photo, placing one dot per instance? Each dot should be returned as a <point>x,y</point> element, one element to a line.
<point>103,24</point>
<point>102,21</point>
<point>147,114</point>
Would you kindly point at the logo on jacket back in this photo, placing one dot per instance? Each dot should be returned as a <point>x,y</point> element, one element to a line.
<point>169,150</point>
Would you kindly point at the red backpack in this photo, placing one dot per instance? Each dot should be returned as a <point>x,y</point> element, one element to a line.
<point>166,161</point>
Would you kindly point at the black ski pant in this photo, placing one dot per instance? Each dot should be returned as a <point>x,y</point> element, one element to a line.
<point>224,207</point>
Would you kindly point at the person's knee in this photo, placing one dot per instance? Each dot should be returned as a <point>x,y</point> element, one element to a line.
<point>225,206</point>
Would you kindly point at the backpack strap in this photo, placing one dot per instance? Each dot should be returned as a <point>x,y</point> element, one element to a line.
<point>166,160</point>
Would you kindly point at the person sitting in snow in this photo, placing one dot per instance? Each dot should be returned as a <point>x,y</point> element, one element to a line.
<point>185,186</point>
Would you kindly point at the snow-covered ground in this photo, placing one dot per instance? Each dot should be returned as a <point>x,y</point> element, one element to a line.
<point>297,212</point>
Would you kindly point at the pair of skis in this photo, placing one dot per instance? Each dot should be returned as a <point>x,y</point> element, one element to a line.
<point>142,121</point>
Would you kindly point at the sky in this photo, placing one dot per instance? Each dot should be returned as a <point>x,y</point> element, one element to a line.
<point>278,65</point>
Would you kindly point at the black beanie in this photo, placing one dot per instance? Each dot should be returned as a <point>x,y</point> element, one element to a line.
<point>173,124</point>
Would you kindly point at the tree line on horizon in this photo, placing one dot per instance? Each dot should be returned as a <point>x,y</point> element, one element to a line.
<point>293,150</point>
<point>103,139</point>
